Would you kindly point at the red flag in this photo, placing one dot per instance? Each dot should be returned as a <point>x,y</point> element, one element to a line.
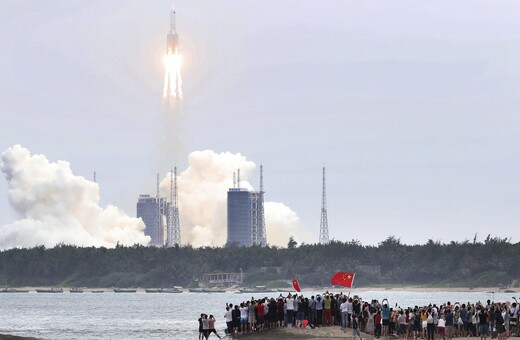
<point>343,279</point>
<point>296,285</point>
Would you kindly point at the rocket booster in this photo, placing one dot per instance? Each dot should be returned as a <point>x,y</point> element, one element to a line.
<point>172,38</point>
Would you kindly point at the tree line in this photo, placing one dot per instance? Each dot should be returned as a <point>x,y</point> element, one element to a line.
<point>492,262</point>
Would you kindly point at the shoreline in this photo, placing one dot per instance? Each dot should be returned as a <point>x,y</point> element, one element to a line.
<point>404,288</point>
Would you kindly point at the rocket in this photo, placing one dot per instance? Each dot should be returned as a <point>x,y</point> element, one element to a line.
<point>172,38</point>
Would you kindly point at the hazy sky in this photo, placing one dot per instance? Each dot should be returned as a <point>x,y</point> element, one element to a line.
<point>413,106</point>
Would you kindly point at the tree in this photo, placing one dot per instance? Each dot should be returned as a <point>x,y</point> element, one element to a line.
<point>292,243</point>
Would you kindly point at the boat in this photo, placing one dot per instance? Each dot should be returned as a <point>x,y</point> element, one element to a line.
<point>97,291</point>
<point>163,290</point>
<point>76,290</point>
<point>207,290</point>
<point>49,290</point>
<point>13,290</point>
<point>124,290</point>
<point>257,289</point>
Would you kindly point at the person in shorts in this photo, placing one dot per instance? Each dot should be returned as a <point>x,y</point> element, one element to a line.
<point>212,329</point>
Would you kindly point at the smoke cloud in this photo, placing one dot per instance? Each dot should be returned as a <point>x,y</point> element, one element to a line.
<point>57,206</point>
<point>202,194</point>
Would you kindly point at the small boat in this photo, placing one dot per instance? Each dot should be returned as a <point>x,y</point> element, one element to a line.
<point>124,290</point>
<point>76,290</point>
<point>51,290</point>
<point>97,291</point>
<point>163,290</point>
<point>13,290</point>
<point>257,289</point>
<point>207,290</point>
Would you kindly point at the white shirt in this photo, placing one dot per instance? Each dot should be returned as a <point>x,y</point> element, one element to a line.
<point>343,307</point>
<point>244,312</point>
<point>290,304</point>
<point>228,316</point>
<point>442,323</point>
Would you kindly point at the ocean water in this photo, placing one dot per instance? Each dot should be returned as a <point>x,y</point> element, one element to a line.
<point>159,316</point>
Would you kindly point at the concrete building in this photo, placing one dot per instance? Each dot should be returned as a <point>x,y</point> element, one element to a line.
<point>154,211</point>
<point>245,217</point>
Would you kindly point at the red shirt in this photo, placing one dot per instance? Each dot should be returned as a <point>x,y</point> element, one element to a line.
<point>260,309</point>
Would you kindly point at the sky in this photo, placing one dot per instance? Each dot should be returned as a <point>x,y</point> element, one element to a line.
<point>412,107</point>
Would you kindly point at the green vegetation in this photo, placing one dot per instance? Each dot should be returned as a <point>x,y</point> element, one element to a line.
<point>493,262</point>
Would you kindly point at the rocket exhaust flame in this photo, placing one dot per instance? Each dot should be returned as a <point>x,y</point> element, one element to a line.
<point>172,75</point>
<point>172,63</point>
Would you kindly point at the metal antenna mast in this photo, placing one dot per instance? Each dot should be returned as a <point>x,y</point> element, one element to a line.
<point>95,177</point>
<point>238,178</point>
<point>324,224</point>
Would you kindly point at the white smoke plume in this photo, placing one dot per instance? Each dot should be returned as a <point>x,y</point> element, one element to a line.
<point>202,195</point>
<point>59,207</point>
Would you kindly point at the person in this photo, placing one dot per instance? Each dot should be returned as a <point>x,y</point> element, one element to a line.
<point>401,322</point>
<point>385,315</point>
<point>244,313</point>
<point>319,310</point>
<point>205,326</point>
<point>289,309</point>
<point>327,311</point>
<point>377,321</point>
<point>430,327</point>
<point>441,327</point>
<point>228,316</point>
<point>355,326</point>
<point>252,315</point>
<point>201,333</point>
<point>260,307</point>
<point>299,313</point>
<point>483,323</point>
<point>448,317</point>
<point>312,311</point>
<point>344,314</point>
<point>280,305</point>
<point>212,326</point>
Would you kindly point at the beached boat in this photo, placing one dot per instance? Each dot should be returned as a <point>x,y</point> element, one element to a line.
<point>207,290</point>
<point>13,290</point>
<point>49,290</point>
<point>124,290</point>
<point>76,290</point>
<point>257,289</point>
<point>163,290</point>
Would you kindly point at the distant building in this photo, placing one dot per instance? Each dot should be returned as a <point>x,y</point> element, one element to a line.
<point>154,211</point>
<point>220,279</point>
<point>245,217</point>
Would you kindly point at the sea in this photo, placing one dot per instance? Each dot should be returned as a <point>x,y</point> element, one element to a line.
<point>143,315</point>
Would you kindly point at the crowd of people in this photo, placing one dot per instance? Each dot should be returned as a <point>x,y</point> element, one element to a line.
<point>446,321</point>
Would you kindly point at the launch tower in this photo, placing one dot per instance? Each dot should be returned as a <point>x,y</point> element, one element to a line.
<point>174,227</point>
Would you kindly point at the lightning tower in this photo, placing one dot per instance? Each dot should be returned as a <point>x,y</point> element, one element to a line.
<point>174,227</point>
<point>324,224</point>
<point>262,239</point>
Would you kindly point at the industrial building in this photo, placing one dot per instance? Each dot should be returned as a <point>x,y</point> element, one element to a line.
<point>245,215</point>
<point>160,217</point>
<point>154,212</point>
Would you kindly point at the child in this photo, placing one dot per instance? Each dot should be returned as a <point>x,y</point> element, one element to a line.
<point>355,327</point>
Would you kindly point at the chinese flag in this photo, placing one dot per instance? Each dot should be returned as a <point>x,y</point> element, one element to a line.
<point>343,279</point>
<point>296,285</point>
